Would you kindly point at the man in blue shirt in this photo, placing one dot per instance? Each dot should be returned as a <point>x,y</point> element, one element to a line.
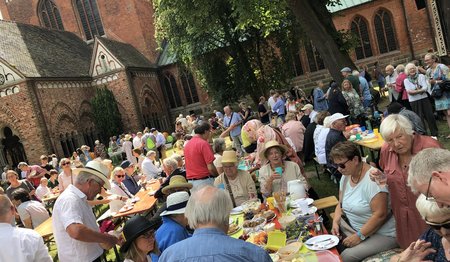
<point>232,122</point>
<point>173,229</point>
<point>208,212</point>
<point>279,107</point>
<point>365,90</point>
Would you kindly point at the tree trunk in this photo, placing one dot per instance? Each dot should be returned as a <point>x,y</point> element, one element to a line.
<point>318,26</point>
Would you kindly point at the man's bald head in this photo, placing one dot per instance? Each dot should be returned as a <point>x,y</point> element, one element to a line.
<point>6,209</point>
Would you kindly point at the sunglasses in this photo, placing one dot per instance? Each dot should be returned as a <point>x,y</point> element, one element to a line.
<point>64,164</point>
<point>341,165</point>
<point>120,176</point>
<point>437,226</point>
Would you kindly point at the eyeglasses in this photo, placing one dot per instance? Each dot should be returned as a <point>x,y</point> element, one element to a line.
<point>148,235</point>
<point>101,186</point>
<point>438,226</point>
<point>120,176</point>
<point>428,197</point>
<point>341,165</point>
<point>64,164</point>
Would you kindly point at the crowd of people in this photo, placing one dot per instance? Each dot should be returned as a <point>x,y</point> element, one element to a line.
<point>402,203</point>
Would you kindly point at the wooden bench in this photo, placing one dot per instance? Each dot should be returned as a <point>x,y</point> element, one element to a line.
<point>326,202</point>
<point>45,230</point>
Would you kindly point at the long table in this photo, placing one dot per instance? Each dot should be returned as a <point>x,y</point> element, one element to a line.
<point>373,145</point>
<point>146,202</point>
<point>303,250</point>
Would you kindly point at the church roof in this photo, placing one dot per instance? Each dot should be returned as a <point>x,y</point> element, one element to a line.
<point>126,53</point>
<point>346,4</point>
<point>166,58</point>
<point>40,52</point>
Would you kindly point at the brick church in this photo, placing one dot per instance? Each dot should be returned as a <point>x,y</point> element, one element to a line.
<point>53,53</point>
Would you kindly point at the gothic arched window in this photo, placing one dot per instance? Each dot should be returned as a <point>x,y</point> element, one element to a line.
<point>49,15</point>
<point>360,29</point>
<point>385,32</point>
<point>190,91</point>
<point>171,89</point>
<point>90,18</point>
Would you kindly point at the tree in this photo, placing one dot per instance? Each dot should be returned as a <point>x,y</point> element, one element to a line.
<point>317,23</point>
<point>240,48</point>
<point>106,113</point>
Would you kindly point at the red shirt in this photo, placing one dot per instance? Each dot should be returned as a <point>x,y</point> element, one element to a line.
<point>39,170</point>
<point>408,222</point>
<point>198,154</point>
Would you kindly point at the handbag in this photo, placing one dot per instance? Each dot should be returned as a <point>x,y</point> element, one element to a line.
<point>437,92</point>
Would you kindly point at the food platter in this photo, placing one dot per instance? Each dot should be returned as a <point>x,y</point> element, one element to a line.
<point>233,228</point>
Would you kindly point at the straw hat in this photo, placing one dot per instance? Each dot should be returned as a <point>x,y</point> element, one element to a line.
<point>177,181</point>
<point>127,137</point>
<point>96,168</point>
<point>270,144</point>
<point>176,203</point>
<point>229,156</point>
<point>135,227</point>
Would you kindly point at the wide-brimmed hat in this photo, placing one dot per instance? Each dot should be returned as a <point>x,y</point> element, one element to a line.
<point>135,227</point>
<point>229,156</point>
<point>307,106</point>
<point>177,182</point>
<point>336,116</point>
<point>127,137</point>
<point>176,203</point>
<point>270,144</point>
<point>96,168</point>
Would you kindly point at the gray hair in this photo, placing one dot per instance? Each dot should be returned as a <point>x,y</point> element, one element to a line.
<point>390,67</point>
<point>150,152</point>
<point>400,68</point>
<point>170,162</point>
<point>424,163</point>
<point>208,205</point>
<point>117,170</point>
<point>355,73</point>
<point>219,145</point>
<point>177,157</point>
<point>395,122</point>
<point>5,205</point>
<point>83,177</point>
<point>409,66</point>
<point>430,208</point>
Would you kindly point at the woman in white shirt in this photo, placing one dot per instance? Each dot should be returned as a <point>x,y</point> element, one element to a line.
<point>32,213</point>
<point>416,86</point>
<point>42,190</point>
<point>119,190</point>
<point>66,177</point>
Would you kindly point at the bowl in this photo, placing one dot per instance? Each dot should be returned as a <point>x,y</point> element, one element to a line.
<point>252,205</point>
<point>289,250</point>
<point>286,220</point>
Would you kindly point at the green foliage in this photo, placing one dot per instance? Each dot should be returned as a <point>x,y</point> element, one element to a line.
<point>106,113</point>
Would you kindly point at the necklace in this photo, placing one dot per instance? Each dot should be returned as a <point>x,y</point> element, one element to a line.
<point>360,175</point>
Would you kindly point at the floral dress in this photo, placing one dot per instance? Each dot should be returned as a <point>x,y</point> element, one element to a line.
<point>353,102</point>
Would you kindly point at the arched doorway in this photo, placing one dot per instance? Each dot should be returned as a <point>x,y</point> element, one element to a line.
<point>13,150</point>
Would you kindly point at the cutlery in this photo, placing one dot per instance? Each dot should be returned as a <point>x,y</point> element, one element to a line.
<point>317,242</point>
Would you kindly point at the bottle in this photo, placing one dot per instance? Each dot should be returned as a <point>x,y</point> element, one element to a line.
<point>368,124</point>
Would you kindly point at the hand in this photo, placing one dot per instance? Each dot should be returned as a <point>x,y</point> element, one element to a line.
<point>417,251</point>
<point>335,229</point>
<point>374,174</point>
<point>352,241</point>
<point>110,241</point>
<point>275,176</point>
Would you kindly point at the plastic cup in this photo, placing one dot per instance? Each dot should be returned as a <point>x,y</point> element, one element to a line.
<point>279,170</point>
<point>363,128</point>
<point>358,136</point>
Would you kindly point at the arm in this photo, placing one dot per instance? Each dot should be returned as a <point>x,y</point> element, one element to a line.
<point>337,217</point>
<point>212,169</point>
<point>27,222</point>
<point>81,232</point>
<point>379,207</point>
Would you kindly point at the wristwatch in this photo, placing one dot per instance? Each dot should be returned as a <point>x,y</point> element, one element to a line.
<point>360,235</point>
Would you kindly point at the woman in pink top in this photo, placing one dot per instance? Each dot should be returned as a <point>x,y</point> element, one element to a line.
<point>396,153</point>
<point>294,130</point>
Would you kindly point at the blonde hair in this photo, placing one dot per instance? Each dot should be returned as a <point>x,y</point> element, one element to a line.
<point>395,122</point>
<point>290,116</point>
<point>134,254</point>
<point>350,83</point>
<point>409,66</point>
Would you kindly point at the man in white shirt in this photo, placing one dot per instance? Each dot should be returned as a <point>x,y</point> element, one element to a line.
<point>391,77</point>
<point>19,244</point>
<point>74,225</point>
<point>271,101</point>
<point>160,143</point>
<point>149,169</point>
<point>137,142</point>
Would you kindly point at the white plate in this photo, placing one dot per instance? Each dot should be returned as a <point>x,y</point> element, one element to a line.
<point>322,242</point>
<point>298,211</point>
<point>135,199</point>
<point>297,203</point>
<point>237,210</point>
<point>125,209</point>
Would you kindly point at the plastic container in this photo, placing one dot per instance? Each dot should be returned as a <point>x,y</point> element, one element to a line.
<point>318,256</point>
<point>286,221</point>
<point>276,240</point>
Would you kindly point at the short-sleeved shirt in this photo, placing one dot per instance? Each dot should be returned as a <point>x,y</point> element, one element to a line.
<point>356,204</point>
<point>198,154</point>
<point>22,245</point>
<point>420,83</point>
<point>72,208</point>
<point>34,210</point>
<point>235,117</point>
<point>403,200</point>
<point>65,180</point>
<point>39,170</point>
<point>23,184</point>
